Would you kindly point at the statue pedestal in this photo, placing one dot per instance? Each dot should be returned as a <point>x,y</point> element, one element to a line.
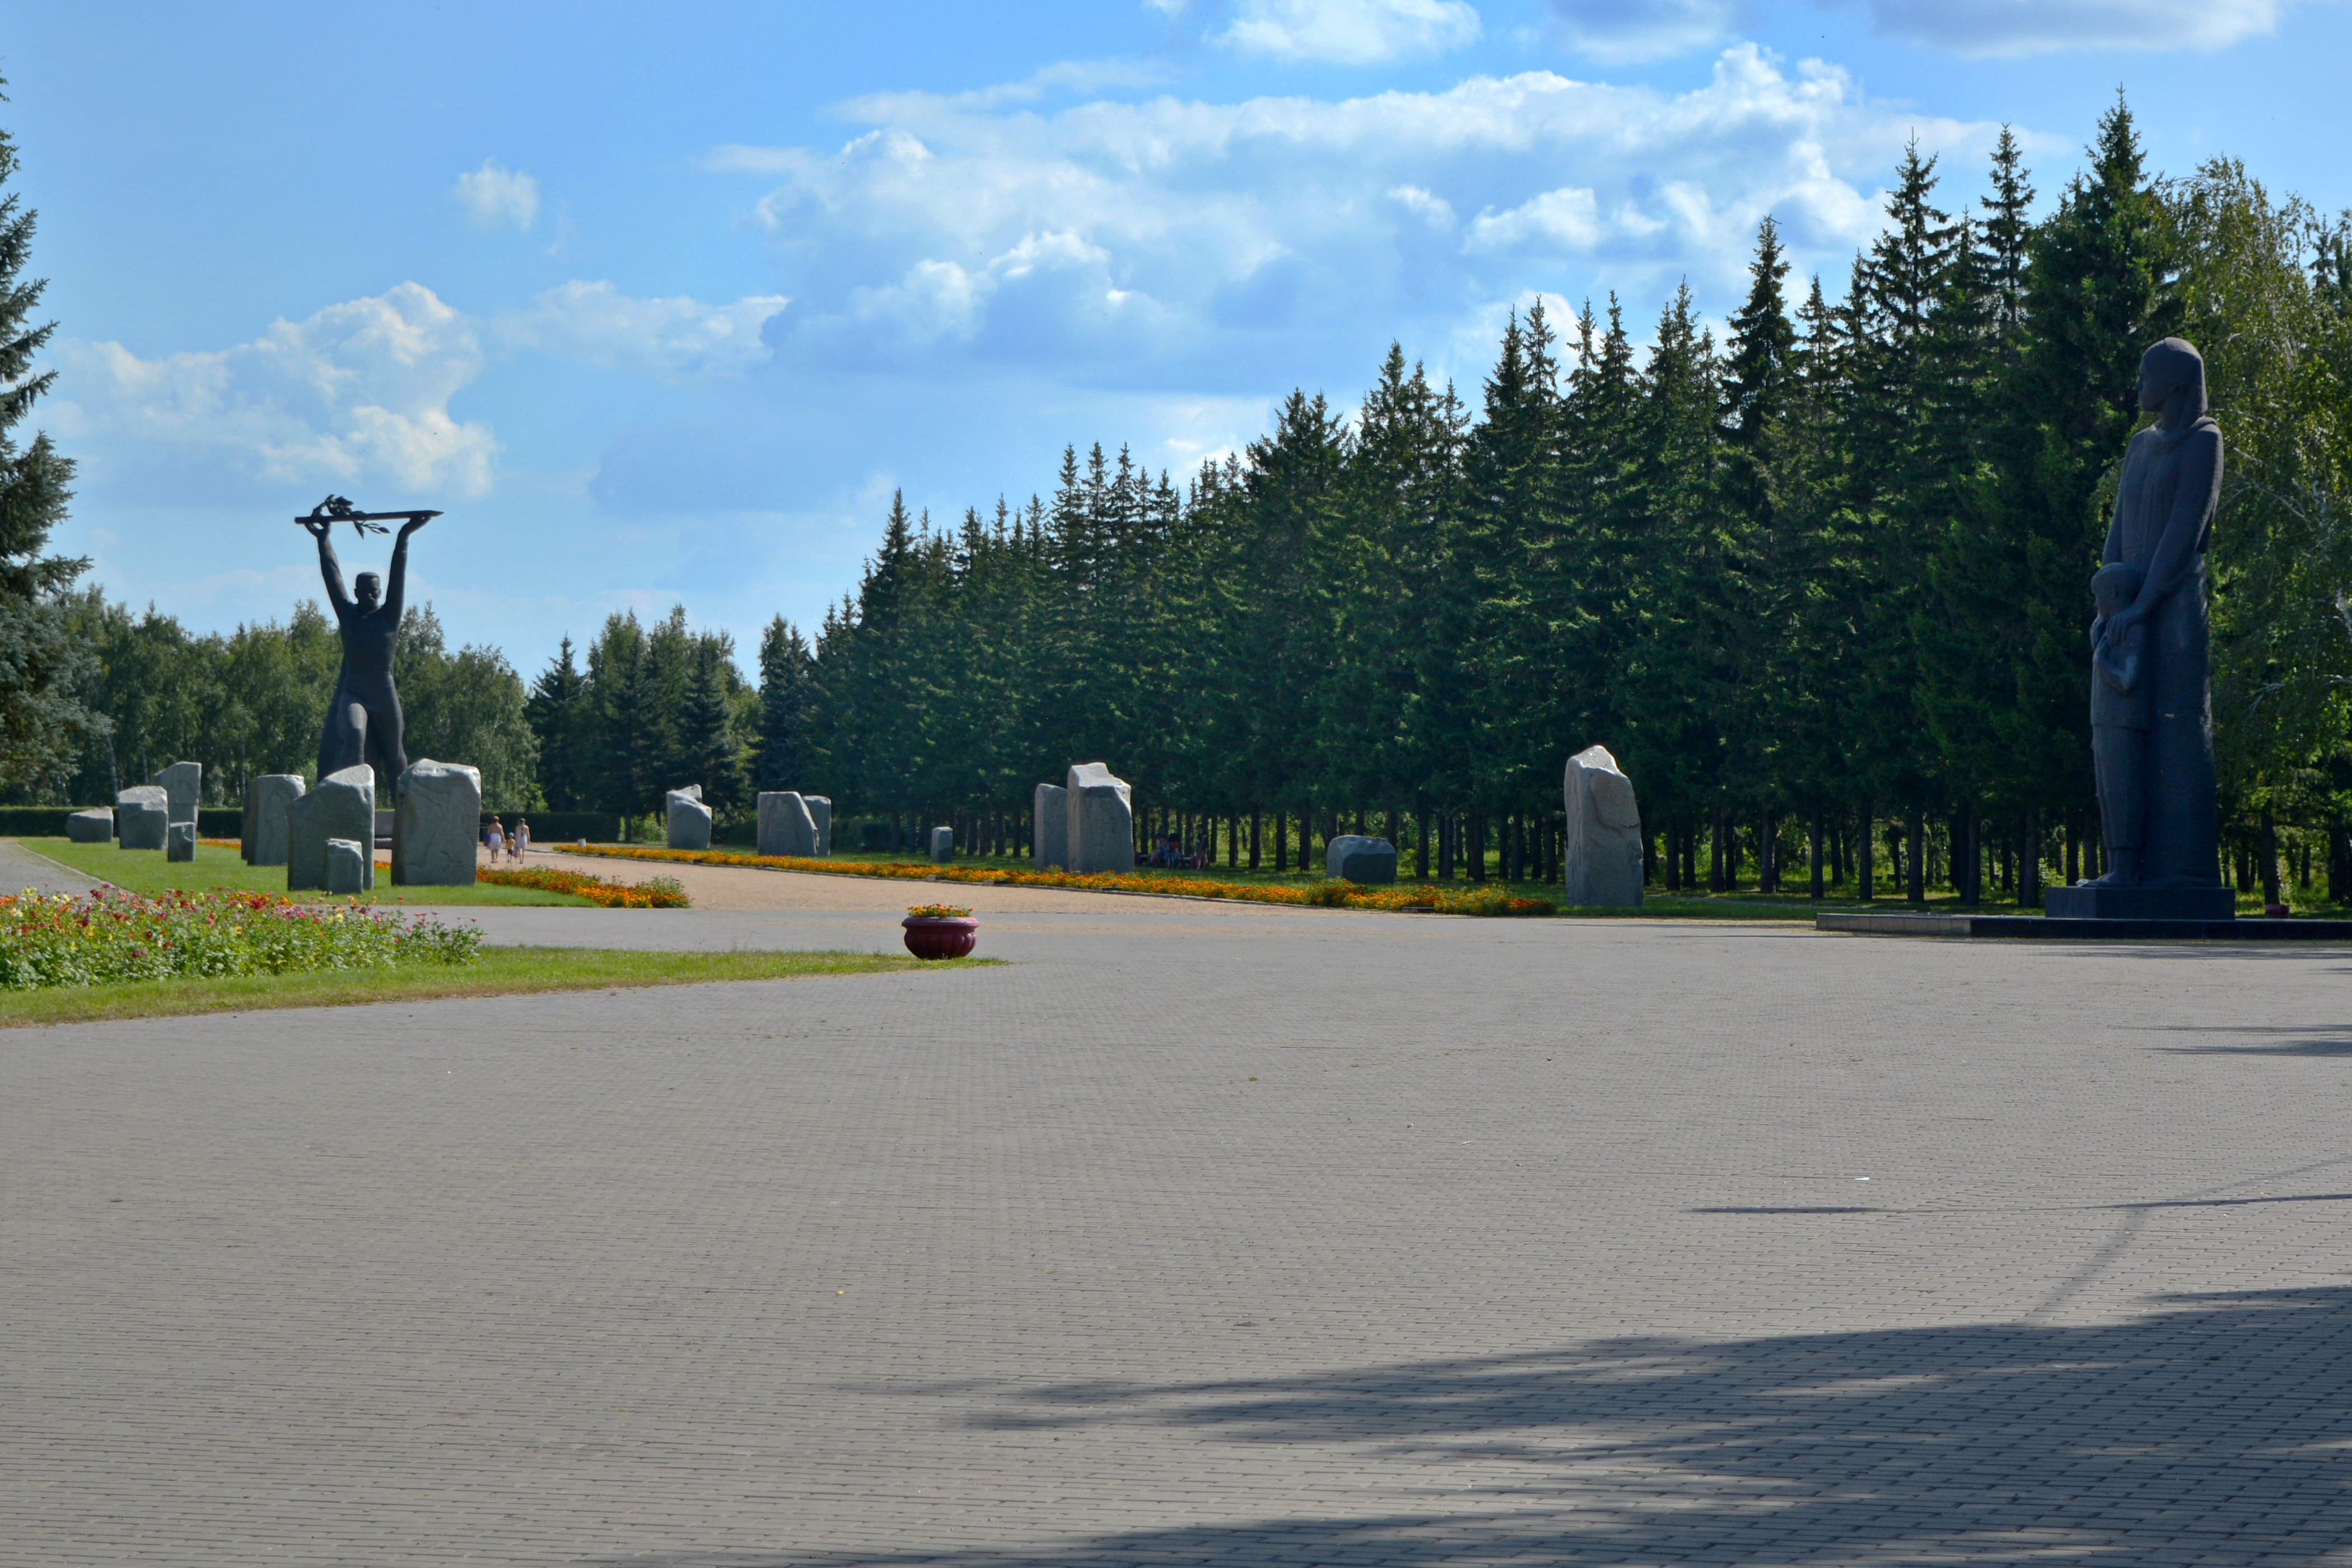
<point>2101,903</point>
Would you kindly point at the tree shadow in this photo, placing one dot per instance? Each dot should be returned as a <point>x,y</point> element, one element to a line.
<point>2214,1428</point>
<point>2290,1040</point>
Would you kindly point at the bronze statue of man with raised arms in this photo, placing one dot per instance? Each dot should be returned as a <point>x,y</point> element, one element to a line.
<point>363,718</point>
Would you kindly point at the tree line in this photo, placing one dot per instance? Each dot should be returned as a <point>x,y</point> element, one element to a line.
<point>1821,587</point>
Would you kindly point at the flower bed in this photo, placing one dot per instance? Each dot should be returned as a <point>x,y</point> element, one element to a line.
<point>111,935</point>
<point>660,893</point>
<point>1324,895</point>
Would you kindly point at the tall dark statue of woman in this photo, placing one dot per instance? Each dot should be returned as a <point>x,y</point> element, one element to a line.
<point>2163,521</point>
<point>363,718</point>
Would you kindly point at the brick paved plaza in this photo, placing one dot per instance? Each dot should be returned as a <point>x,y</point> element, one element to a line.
<point>1199,1234</point>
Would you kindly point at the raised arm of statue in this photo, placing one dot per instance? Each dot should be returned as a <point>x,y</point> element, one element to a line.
<point>396,578</point>
<point>330,568</point>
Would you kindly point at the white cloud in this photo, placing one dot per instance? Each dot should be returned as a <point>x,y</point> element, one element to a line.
<point>360,390</point>
<point>598,325</point>
<point>1350,32</point>
<point>1621,32</point>
<point>496,196</point>
<point>1128,243</point>
<point>1979,28</point>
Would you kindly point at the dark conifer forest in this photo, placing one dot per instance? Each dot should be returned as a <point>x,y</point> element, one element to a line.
<point>1820,586</point>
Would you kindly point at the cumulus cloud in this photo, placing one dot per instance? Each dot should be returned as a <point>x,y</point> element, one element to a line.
<point>496,196</point>
<point>1117,242</point>
<point>597,325</point>
<point>1980,28</point>
<point>1350,32</point>
<point>359,390</point>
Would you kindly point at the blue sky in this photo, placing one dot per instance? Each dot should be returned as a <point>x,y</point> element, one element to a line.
<point>659,304</point>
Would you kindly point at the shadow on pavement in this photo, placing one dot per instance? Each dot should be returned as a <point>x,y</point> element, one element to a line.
<point>2212,1429</point>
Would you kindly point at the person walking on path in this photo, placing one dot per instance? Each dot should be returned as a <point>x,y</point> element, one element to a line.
<point>519,845</point>
<point>496,837</point>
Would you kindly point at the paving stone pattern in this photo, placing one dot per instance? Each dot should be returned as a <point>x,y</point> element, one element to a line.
<point>1199,1234</point>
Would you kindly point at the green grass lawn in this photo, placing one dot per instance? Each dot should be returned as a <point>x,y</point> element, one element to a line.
<point>146,871</point>
<point>503,971</point>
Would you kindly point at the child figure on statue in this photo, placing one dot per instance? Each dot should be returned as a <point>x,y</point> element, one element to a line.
<point>2119,716</point>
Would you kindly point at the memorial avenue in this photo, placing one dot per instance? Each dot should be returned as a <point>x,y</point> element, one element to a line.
<point>1408,782</point>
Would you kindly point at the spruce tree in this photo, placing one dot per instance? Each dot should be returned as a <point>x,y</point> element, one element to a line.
<point>43,724</point>
<point>784,753</point>
<point>557,712</point>
<point>710,754</point>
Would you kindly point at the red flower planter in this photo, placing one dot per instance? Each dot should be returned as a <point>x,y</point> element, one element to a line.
<point>941,936</point>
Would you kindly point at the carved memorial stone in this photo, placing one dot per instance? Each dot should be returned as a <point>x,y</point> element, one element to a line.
<point>183,784</point>
<point>180,841</point>
<point>1600,848</point>
<point>687,819</point>
<point>266,800</point>
<point>140,815</point>
<point>436,808</point>
<point>1049,828</point>
<point>1102,820</point>
<point>820,809</point>
<point>1352,858</point>
<point>95,825</point>
<point>942,845</point>
<point>786,827</point>
<point>342,806</point>
<point>350,866</point>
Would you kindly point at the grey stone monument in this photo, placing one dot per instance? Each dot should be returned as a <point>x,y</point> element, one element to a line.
<point>687,819</point>
<point>942,845</point>
<point>180,841</point>
<point>1600,849</point>
<point>436,807</point>
<point>1102,820</point>
<point>786,824</point>
<point>1049,828</point>
<point>350,866</point>
<point>95,825</point>
<point>141,816</point>
<point>821,813</point>
<point>2159,803</point>
<point>183,784</point>
<point>342,806</point>
<point>266,800</point>
<point>1352,858</point>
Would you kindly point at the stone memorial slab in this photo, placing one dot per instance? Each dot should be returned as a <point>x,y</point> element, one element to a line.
<point>688,820</point>
<point>1049,828</point>
<point>95,825</point>
<point>1102,820</point>
<point>140,815</point>
<point>786,824</point>
<point>266,800</point>
<point>342,806</point>
<point>821,813</point>
<point>183,784</point>
<point>1601,851</point>
<point>436,807</point>
<point>942,845</point>
<point>350,866</point>
<point>180,841</point>
<point>1352,858</point>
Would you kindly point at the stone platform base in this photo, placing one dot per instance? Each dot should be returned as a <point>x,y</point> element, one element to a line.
<point>2099,903</point>
<point>2051,928</point>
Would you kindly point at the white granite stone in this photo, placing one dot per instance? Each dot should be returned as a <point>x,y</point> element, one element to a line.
<point>1600,852</point>
<point>688,820</point>
<point>437,808</point>
<point>821,813</point>
<point>1102,820</point>
<point>140,815</point>
<point>1049,828</point>
<point>786,824</point>
<point>342,806</point>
